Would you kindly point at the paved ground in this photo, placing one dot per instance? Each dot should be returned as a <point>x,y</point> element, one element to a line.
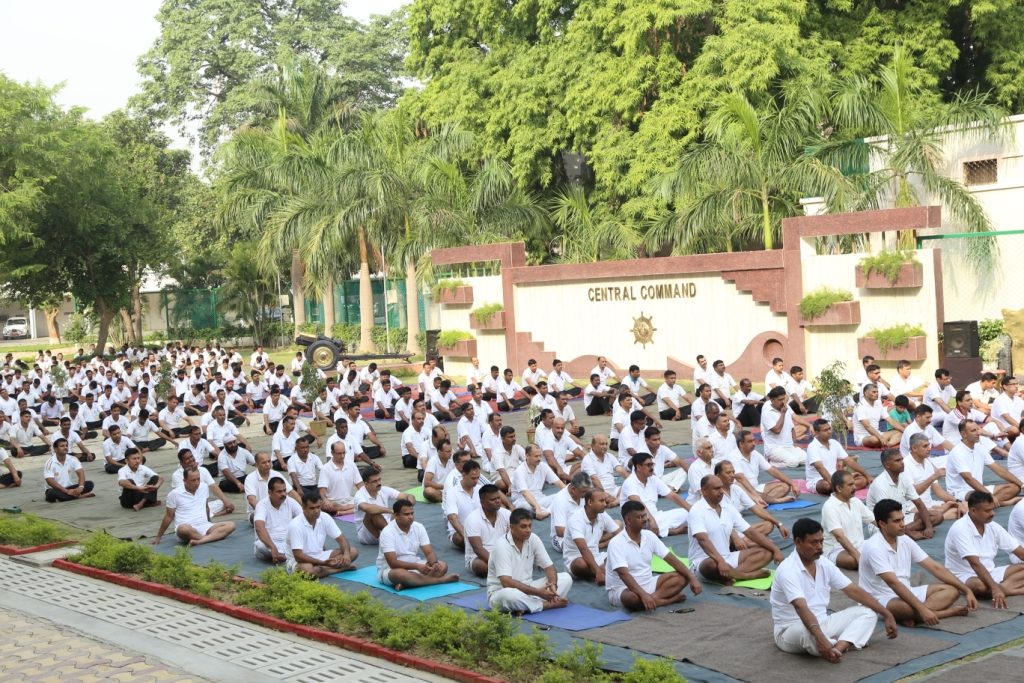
<point>61,627</point>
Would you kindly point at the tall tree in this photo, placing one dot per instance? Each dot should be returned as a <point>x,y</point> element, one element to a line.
<point>202,72</point>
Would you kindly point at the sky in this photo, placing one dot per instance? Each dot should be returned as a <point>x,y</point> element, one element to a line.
<point>92,45</point>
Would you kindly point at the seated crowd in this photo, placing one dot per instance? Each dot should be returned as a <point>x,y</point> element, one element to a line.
<point>492,484</point>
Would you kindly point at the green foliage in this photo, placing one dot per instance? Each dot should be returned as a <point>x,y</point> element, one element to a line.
<point>990,350</point>
<point>888,263</point>
<point>652,671</point>
<point>815,303</point>
<point>484,313</point>
<point>833,390</point>
<point>59,376</point>
<point>393,339</point>
<point>103,551</point>
<point>155,337</point>
<point>178,570</point>
<point>311,383</point>
<point>309,327</point>
<point>77,329</point>
<point>278,330</point>
<point>990,329</point>
<point>452,337</point>
<point>164,383</point>
<point>443,286</point>
<point>348,333</point>
<point>25,531</point>
<point>889,338</point>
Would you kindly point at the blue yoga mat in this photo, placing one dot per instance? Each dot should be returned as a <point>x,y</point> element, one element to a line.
<point>792,505</point>
<point>368,577</point>
<point>573,617</point>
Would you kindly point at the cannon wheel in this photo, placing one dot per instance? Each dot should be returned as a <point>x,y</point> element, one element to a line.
<point>323,355</point>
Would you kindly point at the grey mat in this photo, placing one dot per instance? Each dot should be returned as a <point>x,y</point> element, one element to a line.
<point>983,617</point>
<point>994,668</point>
<point>738,642</point>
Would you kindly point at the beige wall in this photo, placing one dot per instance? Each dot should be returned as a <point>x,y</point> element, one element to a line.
<point>490,344</point>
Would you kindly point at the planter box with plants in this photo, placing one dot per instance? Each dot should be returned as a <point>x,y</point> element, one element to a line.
<point>889,270</point>
<point>489,317</point>
<point>457,343</point>
<point>22,534</point>
<point>899,342</point>
<point>452,293</point>
<point>829,307</point>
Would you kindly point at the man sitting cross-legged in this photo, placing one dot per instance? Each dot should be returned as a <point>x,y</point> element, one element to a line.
<point>485,525</point>
<point>644,486</point>
<point>510,583</point>
<point>886,560</point>
<point>629,580</point>
<point>400,563</point>
<point>965,468</point>
<point>735,495</point>
<point>271,519</point>
<point>139,484</point>
<point>187,506</point>
<point>588,531</point>
<point>715,528</point>
<point>307,535</point>
<point>373,503</point>
<point>749,464</point>
<point>800,594</point>
<point>972,544</point>
<point>924,474</point>
<point>825,456</point>
<point>64,476</point>
<point>895,484</point>
<point>843,515</point>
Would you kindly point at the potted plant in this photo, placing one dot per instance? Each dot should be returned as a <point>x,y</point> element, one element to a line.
<point>452,292</point>
<point>889,270</point>
<point>458,343</point>
<point>833,390</point>
<point>489,317</point>
<point>899,342</point>
<point>827,306</point>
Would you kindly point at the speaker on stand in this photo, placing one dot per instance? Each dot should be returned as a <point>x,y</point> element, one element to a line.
<point>963,351</point>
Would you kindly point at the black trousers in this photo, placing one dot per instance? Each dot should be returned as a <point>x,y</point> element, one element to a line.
<point>381,415</point>
<point>8,478</point>
<point>669,414</point>
<point>401,426</point>
<point>228,486</point>
<point>152,444</point>
<point>372,452</point>
<point>488,395</point>
<point>598,406</point>
<point>182,431</point>
<point>131,497</point>
<point>811,404</point>
<point>750,416</point>
<point>55,496</point>
<point>408,462</point>
<point>38,449</point>
<point>517,403</point>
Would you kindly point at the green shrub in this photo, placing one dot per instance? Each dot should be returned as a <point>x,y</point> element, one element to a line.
<point>815,303</point>
<point>653,671</point>
<point>989,329</point>
<point>484,313</point>
<point>888,263</point>
<point>889,338</point>
<point>155,337</point>
<point>177,570</point>
<point>103,551</point>
<point>452,337</point>
<point>445,286</point>
<point>347,333</point>
<point>77,329</point>
<point>25,531</point>
<point>397,335</point>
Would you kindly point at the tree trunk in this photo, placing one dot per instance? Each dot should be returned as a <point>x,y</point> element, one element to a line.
<point>53,329</point>
<point>365,296</point>
<point>298,290</point>
<point>126,323</point>
<point>137,312</point>
<point>106,317</point>
<point>328,308</point>
<point>412,306</point>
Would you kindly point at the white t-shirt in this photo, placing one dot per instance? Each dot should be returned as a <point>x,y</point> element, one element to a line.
<point>277,520</point>
<point>579,526</point>
<point>849,518</point>
<point>933,436</point>
<point>308,470</point>
<point>139,477</point>
<point>525,480</point>
<point>963,540</point>
<point>752,468</point>
<point>878,557</point>
<point>218,433</point>
<point>116,451</point>
<point>385,498</point>
<point>405,546</point>
<point>310,538</point>
<point>1015,459</point>
<point>623,551</point>
<point>507,560</point>
<point>647,493</point>
<point>774,379</point>
<point>872,414</point>
<point>963,459</point>
<point>238,463</point>
<point>793,581</point>
<point>257,486</point>
<point>933,395</point>
<point>477,525</point>
<point>919,472</point>
<point>828,456</point>
<point>341,482</point>
<point>65,474</point>
<point>902,491</point>
<point>703,519</point>
<point>673,393</point>
<point>784,439</point>
<point>189,508</point>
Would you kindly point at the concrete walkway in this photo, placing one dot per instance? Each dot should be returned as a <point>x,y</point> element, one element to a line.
<point>58,626</point>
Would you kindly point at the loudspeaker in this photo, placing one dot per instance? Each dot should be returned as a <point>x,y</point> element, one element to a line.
<point>963,370</point>
<point>961,339</point>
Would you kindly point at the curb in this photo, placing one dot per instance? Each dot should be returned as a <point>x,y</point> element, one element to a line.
<point>14,550</point>
<point>245,614</point>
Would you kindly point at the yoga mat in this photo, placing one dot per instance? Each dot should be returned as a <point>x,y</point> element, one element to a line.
<point>368,577</point>
<point>417,493</point>
<point>980,618</point>
<point>792,505</point>
<point>995,668</point>
<point>477,602</point>
<point>350,518</point>
<point>737,641</point>
<point>576,617</point>
<point>660,566</point>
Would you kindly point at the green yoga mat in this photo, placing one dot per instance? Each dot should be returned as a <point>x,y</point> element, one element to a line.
<point>660,566</point>
<point>417,493</point>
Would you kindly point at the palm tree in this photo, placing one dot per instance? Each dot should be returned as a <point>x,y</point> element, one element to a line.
<point>732,189</point>
<point>909,128</point>
<point>589,232</point>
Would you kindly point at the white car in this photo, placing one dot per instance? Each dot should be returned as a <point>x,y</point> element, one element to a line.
<point>16,328</point>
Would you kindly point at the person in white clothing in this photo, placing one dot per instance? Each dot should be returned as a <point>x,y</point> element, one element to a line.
<point>825,456</point>
<point>939,396</point>
<point>588,530</point>
<point>799,599</point>
<point>139,484</point>
<point>843,516</point>
<point>187,506</point>
<point>405,558</point>
<point>257,482</point>
<point>510,583</point>
<point>602,468</point>
<point>777,376</point>
<point>63,476</point>
<point>338,481</point>
<point>886,560</point>
<point>907,384</point>
<point>304,468</point>
<point>307,536</point>
<point>716,527</point>
<point>925,474</point>
<point>984,392</point>
<point>972,544</point>
<point>1008,407</point>
<point>628,577</point>
<point>895,484</point>
<point>233,463</point>
<point>965,469</point>
<point>778,428</point>
<point>483,527</point>
<point>271,520</point>
<point>645,487</point>
<point>749,464</point>
<point>597,397</point>
<point>922,424</point>
<point>670,399</point>
<point>373,506</point>
<point>528,481</point>
<point>868,416</point>
<point>665,458</point>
